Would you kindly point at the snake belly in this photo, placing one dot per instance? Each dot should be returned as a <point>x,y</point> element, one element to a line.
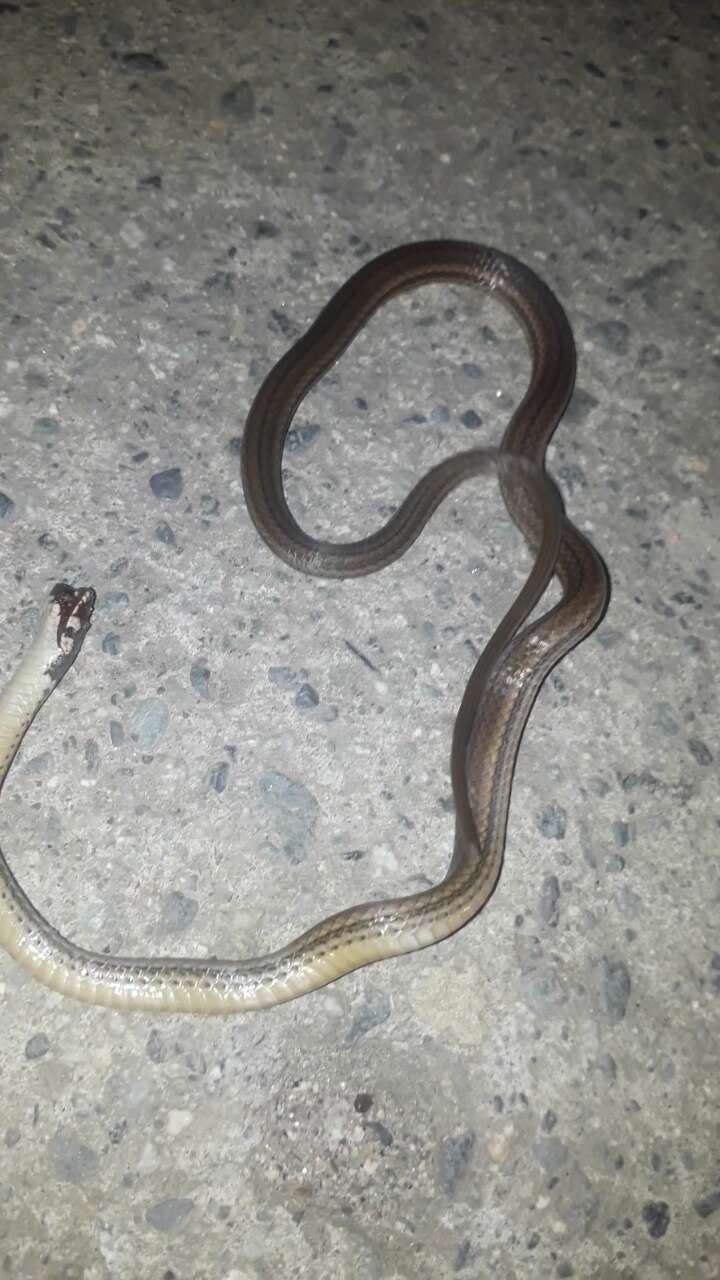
<point>497,700</point>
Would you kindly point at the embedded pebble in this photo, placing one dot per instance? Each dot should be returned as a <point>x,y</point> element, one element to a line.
<point>580,407</point>
<point>200,678</point>
<point>39,764</point>
<point>116,599</point>
<point>238,102</point>
<point>580,1202</point>
<point>168,1215</point>
<point>621,833</point>
<point>551,1153</point>
<point>46,430</point>
<point>708,1204</point>
<point>265,230</point>
<point>471,419</point>
<point>220,282</point>
<point>154,1047</point>
<point>281,675</point>
<point>167,484</point>
<point>218,776</point>
<point>37,1046</point>
<point>543,989</point>
<point>54,826</point>
<point>656,1216</point>
<point>74,1161</point>
<point>700,751</point>
<point>649,356</point>
<point>375,1010</point>
<point>7,506</point>
<point>572,479</point>
<point>616,986</point>
<point>306,696</point>
<point>300,437</point>
<point>549,906</point>
<point>294,812</point>
<point>164,533</point>
<point>613,335</point>
<point>148,722</point>
<point>605,1067</point>
<point>454,1160</point>
<point>142,61</point>
<point>178,911</point>
<point>553,822</point>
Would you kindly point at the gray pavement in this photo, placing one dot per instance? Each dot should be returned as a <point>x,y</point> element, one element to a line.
<point>241,749</point>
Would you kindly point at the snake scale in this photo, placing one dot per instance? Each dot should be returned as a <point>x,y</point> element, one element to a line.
<point>497,699</point>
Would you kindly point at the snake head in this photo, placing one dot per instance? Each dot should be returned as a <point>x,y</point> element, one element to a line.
<point>71,609</point>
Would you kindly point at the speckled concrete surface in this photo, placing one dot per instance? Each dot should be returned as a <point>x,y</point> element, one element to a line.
<point>240,749</point>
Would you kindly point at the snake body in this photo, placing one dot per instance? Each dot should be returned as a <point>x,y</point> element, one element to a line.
<point>497,699</point>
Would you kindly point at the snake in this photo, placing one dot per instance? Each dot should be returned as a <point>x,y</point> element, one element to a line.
<point>496,702</point>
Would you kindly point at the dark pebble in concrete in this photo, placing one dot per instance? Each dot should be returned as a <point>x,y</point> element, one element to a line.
<point>656,1216</point>
<point>167,484</point>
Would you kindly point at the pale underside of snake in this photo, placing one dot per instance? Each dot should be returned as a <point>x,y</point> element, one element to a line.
<point>499,693</point>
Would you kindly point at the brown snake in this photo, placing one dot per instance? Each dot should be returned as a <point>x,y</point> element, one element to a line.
<point>497,700</point>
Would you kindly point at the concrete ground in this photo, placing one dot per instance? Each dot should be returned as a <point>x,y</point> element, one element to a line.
<point>241,750</point>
